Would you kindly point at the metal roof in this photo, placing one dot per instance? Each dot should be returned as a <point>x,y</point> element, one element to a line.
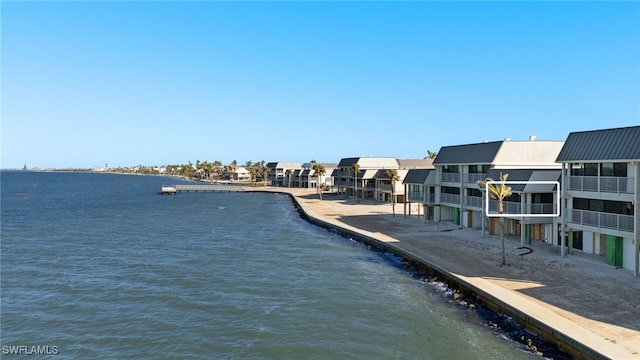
<point>417,176</point>
<point>527,175</point>
<point>480,153</point>
<point>348,162</point>
<point>619,144</point>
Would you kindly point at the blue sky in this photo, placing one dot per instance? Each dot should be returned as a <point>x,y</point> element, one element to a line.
<point>125,83</point>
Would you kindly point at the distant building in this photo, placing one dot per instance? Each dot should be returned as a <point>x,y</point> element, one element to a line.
<point>279,172</point>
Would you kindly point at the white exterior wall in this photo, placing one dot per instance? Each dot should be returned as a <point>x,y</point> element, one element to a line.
<point>590,241</point>
<point>628,253</point>
<point>478,218</point>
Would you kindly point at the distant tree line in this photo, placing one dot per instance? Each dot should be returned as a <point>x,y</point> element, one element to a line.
<point>201,170</point>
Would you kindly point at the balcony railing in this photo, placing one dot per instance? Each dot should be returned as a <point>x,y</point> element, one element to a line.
<point>449,198</point>
<point>415,196</point>
<point>474,201</point>
<point>516,208</point>
<point>450,177</point>
<point>607,184</point>
<point>385,187</point>
<point>602,220</point>
<point>473,178</point>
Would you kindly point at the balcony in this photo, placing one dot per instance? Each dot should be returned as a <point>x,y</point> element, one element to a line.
<point>415,196</point>
<point>602,220</point>
<point>473,178</point>
<point>474,201</point>
<point>384,187</point>
<point>516,208</point>
<point>450,178</point>
<point>605,184</point>
<point>418,196</point>
<point>449,199</point>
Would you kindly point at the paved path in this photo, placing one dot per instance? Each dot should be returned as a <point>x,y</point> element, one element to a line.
<point>579,296</point>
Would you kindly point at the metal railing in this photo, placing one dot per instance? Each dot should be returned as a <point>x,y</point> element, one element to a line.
<point>453,199</point>
<point>609,184</point>
<point>450,177</point>
<point>473,178</point>
<point>474,201</point>
<point>602,220</point>
<point>415,196</point>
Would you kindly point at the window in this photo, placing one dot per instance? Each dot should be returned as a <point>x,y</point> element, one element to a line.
<point>514,198</point>
<point>590,169</point>
<point>474,192</point>
<point>611,207</point>
<point>542,198</point>
<point>450,169</point>
<point>613,169</point>
<point>606,169</point>
<point>450,190</point>
<point>580,204</point>
<point>596,205</point>
<point>577,169</point>
<point>620,169</point>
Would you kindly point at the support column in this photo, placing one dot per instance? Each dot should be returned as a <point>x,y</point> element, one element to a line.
<point>563,208</point>
<point>523,229</point>
<point>406,197</point>
<point>636,217</point>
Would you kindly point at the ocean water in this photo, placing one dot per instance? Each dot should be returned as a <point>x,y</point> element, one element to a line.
<point>101,266</point>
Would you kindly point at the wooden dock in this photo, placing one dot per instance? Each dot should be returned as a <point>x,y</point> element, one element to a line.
<point>173,189</point>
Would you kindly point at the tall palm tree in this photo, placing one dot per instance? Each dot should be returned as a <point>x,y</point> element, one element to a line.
<point>356,169</point>
<point>320,171</point>
<point>289,172</point>
<point>265,172</point>
<point>251,168</point>
<point>217,168</point>
<point>392,175</point>
<point>498,192</point>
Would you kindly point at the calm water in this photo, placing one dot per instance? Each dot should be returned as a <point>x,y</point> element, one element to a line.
<point>102,266</point>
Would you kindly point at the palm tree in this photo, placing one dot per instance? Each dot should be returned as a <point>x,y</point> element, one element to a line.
<point>251,168</point>
<point>431,154</point>
<point>356,169</point>
<point>392,175</point>
<point>289,172</point>
<point>217,168</point>
<point>498,192</point>
<point>265,172</point>
<point>320,171</point>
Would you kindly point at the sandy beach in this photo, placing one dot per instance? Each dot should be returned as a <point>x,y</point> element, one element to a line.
<point>579,298</point>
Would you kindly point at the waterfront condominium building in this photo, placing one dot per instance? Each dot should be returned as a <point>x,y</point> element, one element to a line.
<point>419,193</point>
<point>459,199</point>
<point>361,184</point>
<point>600,180</point>
<point>280,172</point>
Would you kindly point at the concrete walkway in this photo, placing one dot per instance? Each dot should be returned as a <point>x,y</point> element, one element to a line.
<point>590,308</point>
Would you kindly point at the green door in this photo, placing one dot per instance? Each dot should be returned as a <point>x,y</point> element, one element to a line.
<point>456,216</point>
<point>614,250</point>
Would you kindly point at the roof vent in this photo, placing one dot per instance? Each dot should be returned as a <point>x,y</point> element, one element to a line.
<point>507,139</point>
<point>532,138</point>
